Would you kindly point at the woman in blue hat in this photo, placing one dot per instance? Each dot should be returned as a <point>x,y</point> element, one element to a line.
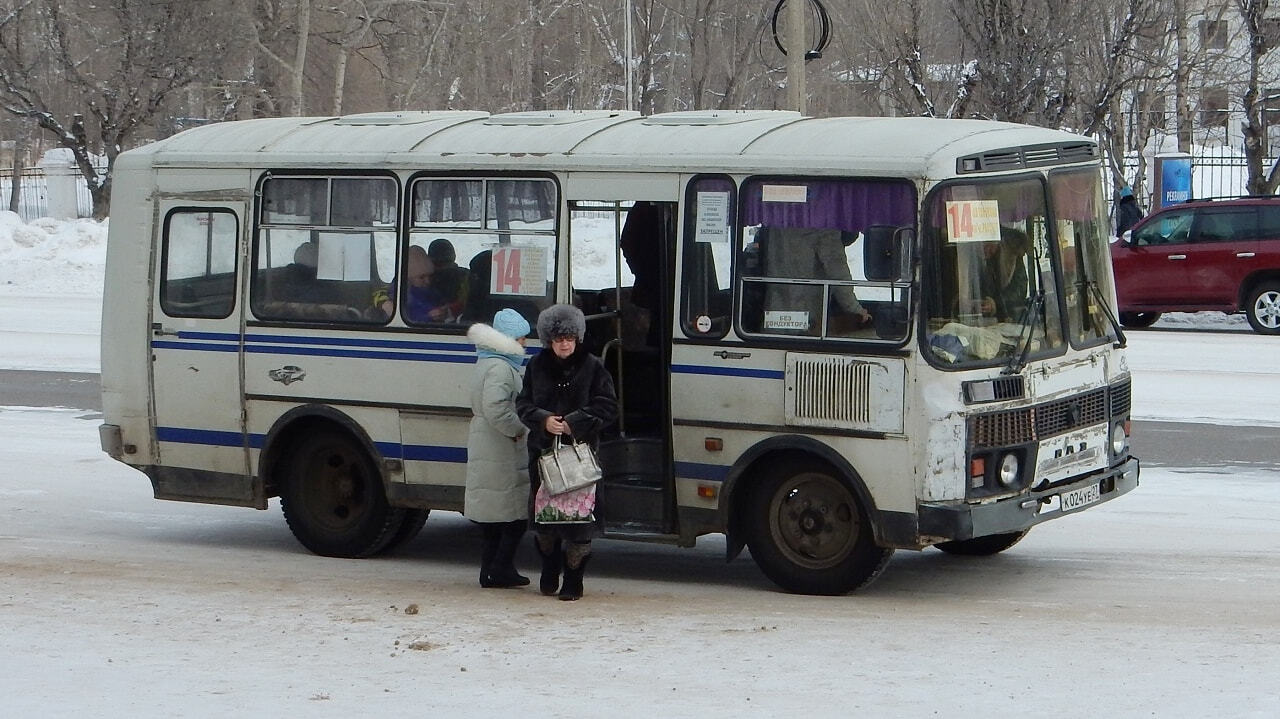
<point>497,491</point>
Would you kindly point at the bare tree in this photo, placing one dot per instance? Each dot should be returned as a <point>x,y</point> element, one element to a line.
<point>117,61</point>
<point>1261,180</point>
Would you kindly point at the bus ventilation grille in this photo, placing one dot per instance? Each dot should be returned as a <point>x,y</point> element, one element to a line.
<point>1121,395</point>
<point>829,391</point>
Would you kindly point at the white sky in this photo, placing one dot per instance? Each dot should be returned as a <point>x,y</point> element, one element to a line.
<point>115,604</point>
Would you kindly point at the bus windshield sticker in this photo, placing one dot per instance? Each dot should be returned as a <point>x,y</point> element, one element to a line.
<point>519,271</point>
<point>713,217</point>
<point>784,193</point>
<point>343,257</point>
<point>973,221</point>
<point>781,320</point>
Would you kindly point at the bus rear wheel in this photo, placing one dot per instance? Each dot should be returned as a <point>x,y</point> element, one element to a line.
<point>333,500</point>
<point>810,535</point>
<point>982,546</point>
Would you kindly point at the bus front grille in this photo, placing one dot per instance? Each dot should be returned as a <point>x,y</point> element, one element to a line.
<point>1032,424</point>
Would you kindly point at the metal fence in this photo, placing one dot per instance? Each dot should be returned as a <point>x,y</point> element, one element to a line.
<point>33,197</point>
<point>1216,172</point>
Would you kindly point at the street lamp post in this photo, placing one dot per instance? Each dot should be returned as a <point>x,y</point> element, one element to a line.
<point>629,52</point>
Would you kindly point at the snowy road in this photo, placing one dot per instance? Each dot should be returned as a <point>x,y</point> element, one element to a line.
<point>1162,603</point>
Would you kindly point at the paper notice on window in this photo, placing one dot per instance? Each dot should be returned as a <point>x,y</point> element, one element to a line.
<point>784,193</point>
<point>973,221</point>
<point>776,320</point>
<point>518,271</point>
<point>344,257</point>
<point>713,217</point>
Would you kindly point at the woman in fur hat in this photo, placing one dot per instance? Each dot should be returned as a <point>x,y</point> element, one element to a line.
<point>497,491</point>
<point>567,391</point>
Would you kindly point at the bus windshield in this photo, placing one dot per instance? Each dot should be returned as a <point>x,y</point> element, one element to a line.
<point>992,295</point>
<point>1083,230</point>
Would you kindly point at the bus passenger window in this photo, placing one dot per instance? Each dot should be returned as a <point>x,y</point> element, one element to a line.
<point>825,258</point>
<point>477,245</point>
<point>199,263</point>
<point>325,247</point>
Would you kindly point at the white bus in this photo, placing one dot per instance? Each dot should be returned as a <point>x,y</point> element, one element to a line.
<point>831,338</point>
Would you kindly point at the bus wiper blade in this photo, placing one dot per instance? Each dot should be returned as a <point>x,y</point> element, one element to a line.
<point>1030,316</point>
<point>1121,341</point>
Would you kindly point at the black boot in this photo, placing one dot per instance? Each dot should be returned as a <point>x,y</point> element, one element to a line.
<point>549,549</point>
<point>491,532</point>
<point>502,572</point>
<point>576,553</point>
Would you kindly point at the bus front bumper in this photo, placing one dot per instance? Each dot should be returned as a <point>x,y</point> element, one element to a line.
<point>941,522</point>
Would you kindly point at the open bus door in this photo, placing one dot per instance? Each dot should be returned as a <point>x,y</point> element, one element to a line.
<point>628,326</point>
<point>196,376</point>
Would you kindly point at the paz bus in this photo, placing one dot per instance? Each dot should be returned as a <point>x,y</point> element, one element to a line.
<point>831,337</point>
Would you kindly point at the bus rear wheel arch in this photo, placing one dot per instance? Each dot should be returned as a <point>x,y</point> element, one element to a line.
<point>809,533</point>
<point>333,499</point>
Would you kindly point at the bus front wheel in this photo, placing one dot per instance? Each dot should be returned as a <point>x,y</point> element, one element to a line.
<point>809,534</point>
<point>982,546</point>
<point>333,500</point>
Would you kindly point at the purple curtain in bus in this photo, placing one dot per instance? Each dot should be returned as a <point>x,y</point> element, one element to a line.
<point>845,205</point>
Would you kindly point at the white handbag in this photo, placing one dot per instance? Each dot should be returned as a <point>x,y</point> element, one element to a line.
<point>568,466</point>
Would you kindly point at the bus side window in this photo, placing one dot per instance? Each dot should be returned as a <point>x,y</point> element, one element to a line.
<point>706,292</point>
<point>199,263</point>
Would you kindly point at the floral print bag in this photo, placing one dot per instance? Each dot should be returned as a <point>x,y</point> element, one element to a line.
<point>573,507</point>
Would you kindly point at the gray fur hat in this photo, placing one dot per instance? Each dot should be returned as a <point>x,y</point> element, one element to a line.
<point>561,321</point>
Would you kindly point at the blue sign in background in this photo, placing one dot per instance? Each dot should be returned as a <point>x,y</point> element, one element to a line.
<point>1173,178</point>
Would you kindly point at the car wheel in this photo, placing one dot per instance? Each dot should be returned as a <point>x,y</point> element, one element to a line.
<point>1138,320</point>
<point>809,534</point>
<point>1263,308</point>
<point>982,546</point>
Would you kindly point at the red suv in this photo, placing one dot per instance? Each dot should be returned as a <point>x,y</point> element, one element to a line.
<point>1214,255</point>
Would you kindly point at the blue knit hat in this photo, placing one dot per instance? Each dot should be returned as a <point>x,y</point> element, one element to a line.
<point>510,323</point>
<point>1126,191</point>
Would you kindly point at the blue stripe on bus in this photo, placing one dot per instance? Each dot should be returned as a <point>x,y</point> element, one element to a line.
<point>199,346</point>
<point>360,354</point>
<point>697,470</point>
<point>211,437</point>
<point>218,438</point>
<point>356,342</point>
<point>727,371</point>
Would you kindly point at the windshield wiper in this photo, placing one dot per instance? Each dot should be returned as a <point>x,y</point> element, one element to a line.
<point>1121,341</point>
<point>1030,316</point>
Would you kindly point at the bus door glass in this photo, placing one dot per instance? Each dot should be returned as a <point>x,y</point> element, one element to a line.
<point>621,255</point>
<point>195,340</point>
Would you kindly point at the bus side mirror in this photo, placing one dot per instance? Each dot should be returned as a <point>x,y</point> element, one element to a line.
<point>886,252</point>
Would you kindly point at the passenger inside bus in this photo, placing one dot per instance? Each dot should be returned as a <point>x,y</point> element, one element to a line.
<point>1004,276</point>
<point>809,254</point>
<point>450,281</point>
<point>423,302</point>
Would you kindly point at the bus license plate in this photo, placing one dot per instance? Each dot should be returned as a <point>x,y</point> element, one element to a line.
<point>1077,498</point>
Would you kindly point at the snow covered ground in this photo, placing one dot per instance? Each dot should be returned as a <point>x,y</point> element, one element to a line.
<point>1162,603</point>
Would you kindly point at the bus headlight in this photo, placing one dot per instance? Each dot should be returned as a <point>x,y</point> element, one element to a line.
<point>1119,439</point>
<point>1009,470</point>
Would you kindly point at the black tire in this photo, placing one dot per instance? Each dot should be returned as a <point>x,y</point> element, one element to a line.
<point>809,534</point>
<point>982,546</point>
<point>333,498</point>
<point>1138,320</point>
<point>414,519</point>
<point>1262,308</point>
